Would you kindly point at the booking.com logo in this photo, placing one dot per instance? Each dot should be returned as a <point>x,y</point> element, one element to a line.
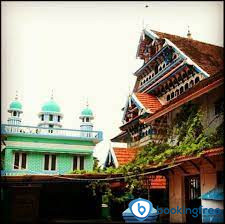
<point>141,209</point>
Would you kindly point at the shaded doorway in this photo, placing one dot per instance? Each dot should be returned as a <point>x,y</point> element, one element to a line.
<point>192,194</point>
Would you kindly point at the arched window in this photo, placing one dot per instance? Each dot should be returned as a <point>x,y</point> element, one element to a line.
<point>168,97</point>
<point>156,69</point>
<point>58,118</point>
<point>164,65</point>
<point>177,92</point>
<point>197,80</point>
<point>174,56</point>
<point>172,95</point>
<point>186,86</point>
<point>14,113</point>
<point>153,74</point>
<point>146,79</point>
<point>181,89</point>
<point>160,68</point>
<point>191,83</point>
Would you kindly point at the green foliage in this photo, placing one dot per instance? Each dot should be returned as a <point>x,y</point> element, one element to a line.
<point>188,138</point>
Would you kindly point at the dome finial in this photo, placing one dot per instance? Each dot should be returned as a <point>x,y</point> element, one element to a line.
<point>52,95</point>
<point>16,97</point>
<point>189,33</point>
<point>87,104</point>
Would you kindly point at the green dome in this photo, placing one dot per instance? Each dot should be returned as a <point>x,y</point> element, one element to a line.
<point>15,105</point>
<point>87,112</point>
<point>51,106</point>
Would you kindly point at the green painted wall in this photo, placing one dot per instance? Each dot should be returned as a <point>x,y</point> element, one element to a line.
<point>35,162</point>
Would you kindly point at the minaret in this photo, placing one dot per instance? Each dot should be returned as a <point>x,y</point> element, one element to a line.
<point>15,110</point>
<point>50,115</point>
<point>86,121</point>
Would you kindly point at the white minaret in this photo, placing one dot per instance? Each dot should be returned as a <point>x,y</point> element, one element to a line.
<point>15,110</point>
<point>86,122</point>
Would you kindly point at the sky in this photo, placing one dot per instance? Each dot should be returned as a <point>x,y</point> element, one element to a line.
<point>87,50</point>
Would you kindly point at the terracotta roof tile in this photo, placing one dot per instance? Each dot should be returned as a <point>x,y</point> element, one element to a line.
<point>149,101</point>
<point>125,155</point>
<point>207,56</point>
<point>206,152</point>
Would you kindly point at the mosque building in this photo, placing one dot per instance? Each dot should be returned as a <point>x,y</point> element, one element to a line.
<point>47,148</point>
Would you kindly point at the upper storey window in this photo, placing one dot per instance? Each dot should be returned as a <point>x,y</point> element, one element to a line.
<point>50,117</point>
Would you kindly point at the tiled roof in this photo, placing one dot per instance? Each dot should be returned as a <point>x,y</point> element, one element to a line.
<point>149,101</point>
<point>207,56</point>
<point>125,155</point>
<point>206,152</point>
<point>199,89</point>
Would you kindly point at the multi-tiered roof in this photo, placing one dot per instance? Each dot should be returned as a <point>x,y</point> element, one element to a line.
<point>175,70</point>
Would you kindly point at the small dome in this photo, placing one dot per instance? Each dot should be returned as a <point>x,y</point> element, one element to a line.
<point>15,105</point>
<point>87,112</point>
<point>50,106</point>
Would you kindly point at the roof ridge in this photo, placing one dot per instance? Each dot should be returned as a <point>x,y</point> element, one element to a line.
<point>191,40</point>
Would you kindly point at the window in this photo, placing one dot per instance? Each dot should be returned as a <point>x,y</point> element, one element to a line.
<point>58,118</point>
<point>20,161</point>
<point>197,80</point>
<point>181,89</point>
<point>186,86</point>
<point>78,162</point>
<point>14,113</point>
<point>168,97</point>
<point>50,162</point>
<point>50,117</point>
<point>42,117</point>
<point>156,69</point>
<point>87,119</point>
<point>191,83</point>
<point>172,95</point>
<point>177,92</point>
